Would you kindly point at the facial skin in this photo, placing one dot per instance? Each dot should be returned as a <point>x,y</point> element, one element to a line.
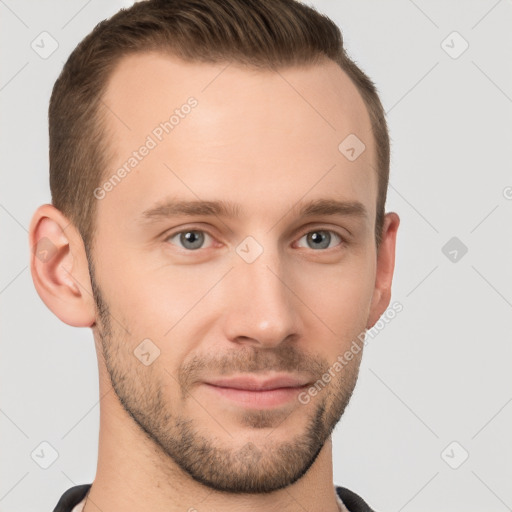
<point>267,142</point>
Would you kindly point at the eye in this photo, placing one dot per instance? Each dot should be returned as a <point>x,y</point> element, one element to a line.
<point>320,239</point>
<point>191,239</point>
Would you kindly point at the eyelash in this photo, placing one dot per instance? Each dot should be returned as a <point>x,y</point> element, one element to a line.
<point>342,242</point>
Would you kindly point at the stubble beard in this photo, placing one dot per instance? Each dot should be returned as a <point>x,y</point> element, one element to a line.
<point>253,468</point>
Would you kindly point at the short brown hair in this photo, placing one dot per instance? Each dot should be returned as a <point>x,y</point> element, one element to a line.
<point>260,33</point>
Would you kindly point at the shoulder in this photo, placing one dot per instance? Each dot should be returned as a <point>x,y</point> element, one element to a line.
<point>72,497</point>
<point>352,501</point>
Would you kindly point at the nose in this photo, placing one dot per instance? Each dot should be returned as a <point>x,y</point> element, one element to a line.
<point>263,310</point>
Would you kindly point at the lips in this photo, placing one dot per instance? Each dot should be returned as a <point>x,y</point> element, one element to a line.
<point>253,383</point>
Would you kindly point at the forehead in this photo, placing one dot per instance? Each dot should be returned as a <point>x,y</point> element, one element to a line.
<point>257,134</point>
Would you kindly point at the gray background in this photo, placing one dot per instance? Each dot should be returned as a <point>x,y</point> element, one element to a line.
<point>440,370</point>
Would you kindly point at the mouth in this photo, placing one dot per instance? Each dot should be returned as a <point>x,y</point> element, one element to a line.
<point>258,393</point>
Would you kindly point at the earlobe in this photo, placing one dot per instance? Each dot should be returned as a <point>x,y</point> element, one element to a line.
<point>59,269</point>
<point>385,268</point>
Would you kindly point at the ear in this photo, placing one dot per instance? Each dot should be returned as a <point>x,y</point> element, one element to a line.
<point>385,266</point>
<point>59,268</point>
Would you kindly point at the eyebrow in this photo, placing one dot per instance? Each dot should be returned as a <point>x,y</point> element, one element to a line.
<point>171,208</point>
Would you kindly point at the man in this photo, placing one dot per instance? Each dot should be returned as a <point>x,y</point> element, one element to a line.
<point>218,172</point>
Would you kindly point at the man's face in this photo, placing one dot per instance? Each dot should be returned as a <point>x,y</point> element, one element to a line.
<point>270,291</point>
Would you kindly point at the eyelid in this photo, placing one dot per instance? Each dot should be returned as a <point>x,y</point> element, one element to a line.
<point>310,228</point>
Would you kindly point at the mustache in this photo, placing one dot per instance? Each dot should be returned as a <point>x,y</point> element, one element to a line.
<point>283,359</point>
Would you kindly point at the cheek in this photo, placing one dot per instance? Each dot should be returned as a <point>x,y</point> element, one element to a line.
<point>339,295</point>
<point>143,298</point>
<point>161,306</point>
